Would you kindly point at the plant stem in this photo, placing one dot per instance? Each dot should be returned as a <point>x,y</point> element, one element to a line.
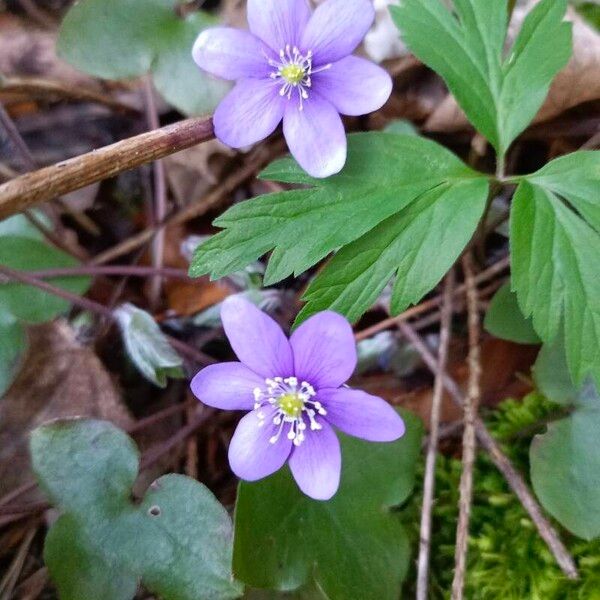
<point>470,406</point>
<point>73,174</point>
<point>503,464</point>
<point>160,196</point>
<point>96,308</point>
<point>431,455</point>
<point>112,270</point>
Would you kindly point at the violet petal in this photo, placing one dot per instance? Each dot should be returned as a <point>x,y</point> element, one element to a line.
<point>249,113</point>
<point>232,53</point>
<point>315,136</point>
<point>256,338</point>
<point>354,86</point>
<point>324,350</point>
<point>251,454</point>
<point>316,464</point>
<point>336,28</point>
<point>278,22</point>
<point>359,414</point>
<point>228,386</point>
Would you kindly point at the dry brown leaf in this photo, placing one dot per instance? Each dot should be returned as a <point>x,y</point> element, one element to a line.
<point>577,83</point>
<point>59,378</point>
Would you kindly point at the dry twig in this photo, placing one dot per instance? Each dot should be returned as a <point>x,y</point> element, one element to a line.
<point>470,407</point>
<point>429,480</point>
<point>503,464</point>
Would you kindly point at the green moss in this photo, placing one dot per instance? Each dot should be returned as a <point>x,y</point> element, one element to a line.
<point>507,560</point>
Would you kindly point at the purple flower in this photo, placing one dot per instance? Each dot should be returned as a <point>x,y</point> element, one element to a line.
<point>295,393</point>
<point>295,66</point>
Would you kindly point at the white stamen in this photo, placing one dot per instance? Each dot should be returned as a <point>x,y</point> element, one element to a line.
<point>294,71</point>
<point>293,402</point>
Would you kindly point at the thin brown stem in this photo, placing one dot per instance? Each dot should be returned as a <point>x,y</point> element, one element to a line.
<point>470,407</point>
<point>428,305</point>
<point>160,196</point>
<point>73,174</point>
<point>195,209</point>
<point>503,464</point>
<point>39,87</point>
<point>431,455</point>
<point>113,270</point>
<point>96,308</point>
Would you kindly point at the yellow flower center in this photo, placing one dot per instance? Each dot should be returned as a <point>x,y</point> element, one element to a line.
<point>291,404</point>
<point>292,73</point>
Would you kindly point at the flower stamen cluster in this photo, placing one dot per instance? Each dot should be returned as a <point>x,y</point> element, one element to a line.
<point>295,69</point>
<point>293,404</point>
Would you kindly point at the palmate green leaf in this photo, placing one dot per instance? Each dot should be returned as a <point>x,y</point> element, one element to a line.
<point>565,466</point>
<point>419,244</point>
<point>177,540</point>
<point>25,302</point>
<point>499,94</point>
<point>384,175</point>
<point>555,267</point>
<point>352,546</point>
<point>120,39</point>
<point>505,320</point>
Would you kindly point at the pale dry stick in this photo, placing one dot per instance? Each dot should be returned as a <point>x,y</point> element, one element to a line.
<point>426,306</point>
<point>469,442</point>
<point>431,455</point>
<point>195,209</point>
<point>160,195</point>
<point>44,184</point>
<point>41,87</point>
<point>113,270</point>
<point>503,464</point>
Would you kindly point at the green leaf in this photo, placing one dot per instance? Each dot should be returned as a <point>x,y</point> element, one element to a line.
<point>177,540</point>
<point>419,244</point>
<point>551,373</point>
<point>120,39</point>
<point>565,467</point>
<point>147,346</point>
<point>384,174</point>
<point>556,274</point>
<point>28,303</point>
<point>499,94</point>
<point>505,320</point>
<point>80,572</point>
<point>19,225</point>
<point>13,342</point>
<point>353,546</point>
<point>576,178</point>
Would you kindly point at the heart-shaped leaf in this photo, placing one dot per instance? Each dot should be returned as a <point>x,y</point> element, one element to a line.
<point>353,546</point>
<point>177,541</point>
<point>120,39</point>
<point>565,467</point>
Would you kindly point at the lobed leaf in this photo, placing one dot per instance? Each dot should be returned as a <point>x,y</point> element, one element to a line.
<point>567,457</point>
<point>385,174</point>
<point>499,93</point>
<point>555,269</point>
<point>178,540</point>
<point>419,245</point>
<point>505,320</point>
<point>25,302</point>
<point>121,39</point>
<point>353,546</point>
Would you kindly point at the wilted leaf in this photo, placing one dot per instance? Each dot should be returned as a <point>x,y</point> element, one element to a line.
<point>147,346</point>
